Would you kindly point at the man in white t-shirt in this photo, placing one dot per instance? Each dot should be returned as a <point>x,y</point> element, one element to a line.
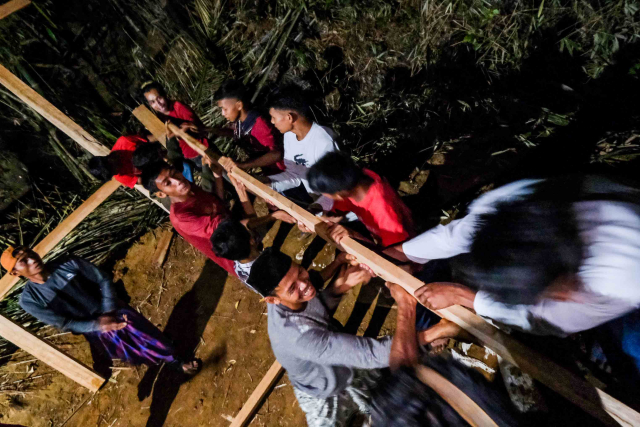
<point>550,257</point>
<point>305,142</point>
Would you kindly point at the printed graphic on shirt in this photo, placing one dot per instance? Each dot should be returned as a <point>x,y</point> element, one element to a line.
<point>300,161</point>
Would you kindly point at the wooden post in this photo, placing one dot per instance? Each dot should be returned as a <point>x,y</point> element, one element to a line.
<point>574,388</point>
<point>163,247</point>
<point>253,403</point>
<point>50,355</point>
<point>61,231</point>
<point>34,100</point>
<point>156,127</point>
<point>8,8</point>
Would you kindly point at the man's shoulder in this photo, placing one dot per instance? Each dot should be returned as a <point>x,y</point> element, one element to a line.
<point>322,134</point>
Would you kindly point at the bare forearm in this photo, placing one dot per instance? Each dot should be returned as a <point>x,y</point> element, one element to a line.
<point>219,187</point>
<point>396,252</point>
<point>404,348</point>
<point>265,160</point>
<point>330,270</point>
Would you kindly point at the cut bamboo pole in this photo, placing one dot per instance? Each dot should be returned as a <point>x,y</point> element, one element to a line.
<point>50,355</point>
<point>8,8</point>
<point>259,394</point>
<point>64,228</point>
<point>575,389</point>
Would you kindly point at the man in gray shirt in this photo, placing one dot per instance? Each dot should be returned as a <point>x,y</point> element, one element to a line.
<point>331,372</point>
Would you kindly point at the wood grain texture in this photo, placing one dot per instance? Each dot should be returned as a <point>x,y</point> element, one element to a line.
<point>61,231</point>
<point>156,127</point>
<point>253,403</point>
<point>456,398</point>
<point>8,8</point>
<point>50,355</point>
<point>51,113</point>
<point>163,247</point>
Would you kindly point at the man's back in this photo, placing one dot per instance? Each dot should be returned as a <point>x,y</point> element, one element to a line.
<point>196,219</point>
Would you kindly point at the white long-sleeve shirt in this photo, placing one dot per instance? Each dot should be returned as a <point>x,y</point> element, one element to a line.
<point>609,274</point>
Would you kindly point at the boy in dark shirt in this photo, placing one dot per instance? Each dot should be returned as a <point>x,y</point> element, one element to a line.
<point>250,128</point>
<point>74,295</point>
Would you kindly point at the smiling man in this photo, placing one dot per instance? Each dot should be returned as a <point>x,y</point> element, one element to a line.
<point>331,372</point>
<point>195,214</point>
<point>74,295</point>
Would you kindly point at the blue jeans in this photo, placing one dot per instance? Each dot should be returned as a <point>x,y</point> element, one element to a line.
<point>437,270</point>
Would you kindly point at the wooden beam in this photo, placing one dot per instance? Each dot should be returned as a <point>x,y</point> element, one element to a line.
<point>259,394</point>
<point>456,398</point>
<point>156,127</point>
<point>50,355</point>
<point>574,388</point>
<point>61,231</point>
<point>34,100</point>
<point>163,247</point>
<point>8,8</point>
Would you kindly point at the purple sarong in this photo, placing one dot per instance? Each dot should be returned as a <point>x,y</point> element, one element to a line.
<point>140,342</point>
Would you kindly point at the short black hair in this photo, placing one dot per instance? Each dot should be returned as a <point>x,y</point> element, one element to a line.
<point>522,246</point>
<point>150,174</point>
<point>268,270</point>
<point>291,99</point>
<point>231,240</point>
<point>335,172</point>
<point>149,86</point>
<point>233,89</point>
<point>146,154</point>
<point>100,168</point>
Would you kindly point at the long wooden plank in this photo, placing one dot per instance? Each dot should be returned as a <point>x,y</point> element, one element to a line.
<point>574,388</point>
<point>34,100</point>
<point>50,355</point>
<point>255,400</point>
<point>61,231</point>
<point>156,127</point>
<point>8,8</point>
<point>459,401</point>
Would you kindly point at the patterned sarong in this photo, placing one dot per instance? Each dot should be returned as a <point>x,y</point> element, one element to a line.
<point>140,342</point>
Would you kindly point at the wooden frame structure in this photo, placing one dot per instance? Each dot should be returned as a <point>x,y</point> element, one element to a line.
<point>575,389</point>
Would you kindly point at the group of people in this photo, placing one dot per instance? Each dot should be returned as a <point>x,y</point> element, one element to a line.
<point>544,256</point>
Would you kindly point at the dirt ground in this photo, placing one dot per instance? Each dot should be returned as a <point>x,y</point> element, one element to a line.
<point>202,310</point>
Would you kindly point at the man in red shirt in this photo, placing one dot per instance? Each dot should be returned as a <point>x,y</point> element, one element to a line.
<point>249,128</point>
<point>118,164</point>
<point>194,213</point>
<point>348,188</point>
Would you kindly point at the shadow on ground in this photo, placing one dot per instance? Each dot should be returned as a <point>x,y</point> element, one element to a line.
<point>185,327</point>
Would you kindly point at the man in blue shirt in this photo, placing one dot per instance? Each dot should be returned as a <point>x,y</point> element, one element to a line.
<point>74,295</point>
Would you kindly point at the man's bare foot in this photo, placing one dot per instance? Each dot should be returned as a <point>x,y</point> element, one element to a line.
<point>436,334</point>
